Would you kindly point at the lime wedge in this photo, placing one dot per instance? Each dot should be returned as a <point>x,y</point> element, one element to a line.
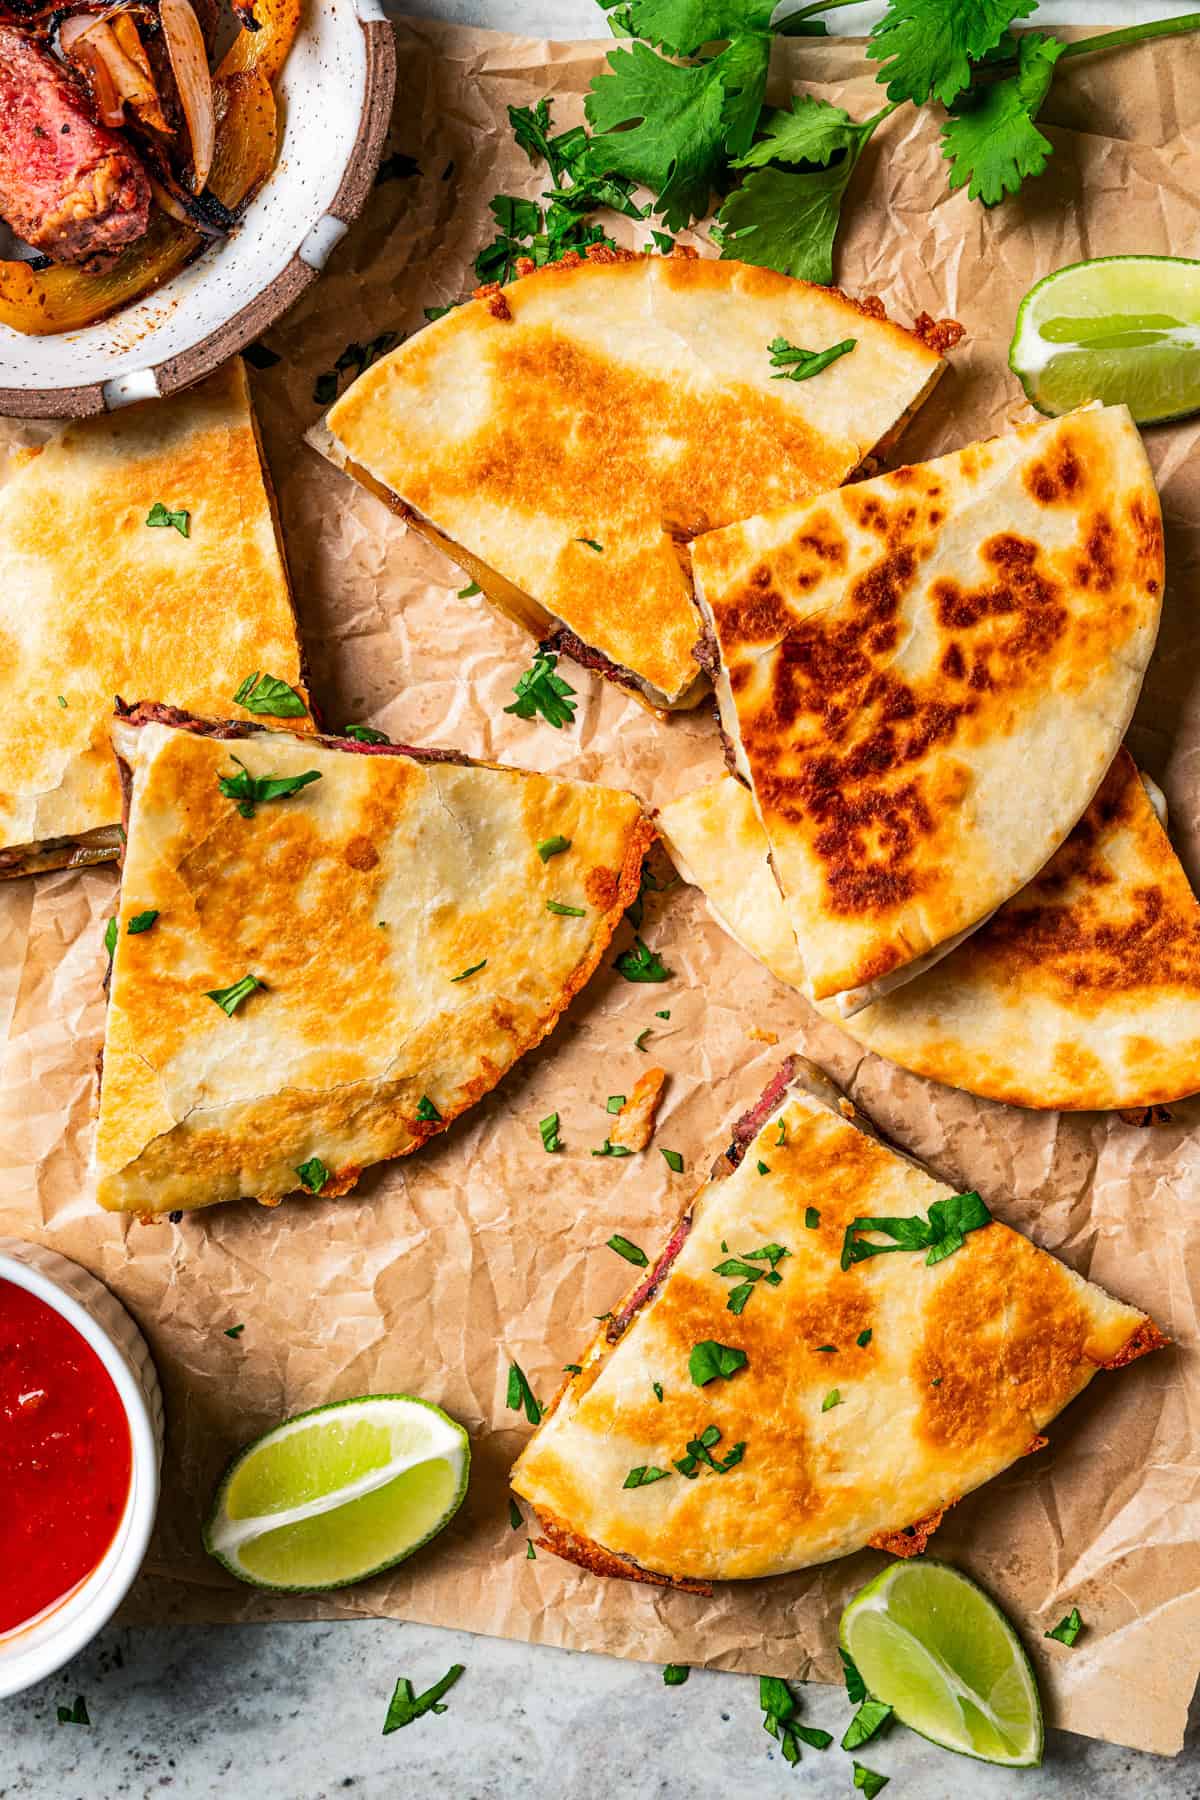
<point>334,1495</point>
<point>932,1645</point>
<point>1117,329</point>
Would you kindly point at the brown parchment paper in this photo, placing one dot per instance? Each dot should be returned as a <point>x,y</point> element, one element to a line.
<point>441,1268</point>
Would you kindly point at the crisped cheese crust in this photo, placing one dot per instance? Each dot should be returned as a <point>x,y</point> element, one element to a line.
<point>966,1362</point>
<point>928,675</point>
<point>356,902</point>
<point>1081,993</point>
<point>630,403</point>
<point>93,602</point>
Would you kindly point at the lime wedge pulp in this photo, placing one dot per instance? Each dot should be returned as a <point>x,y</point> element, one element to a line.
<point>1121,329</point>
<point>334,1495</point>
<point>932,1645</point>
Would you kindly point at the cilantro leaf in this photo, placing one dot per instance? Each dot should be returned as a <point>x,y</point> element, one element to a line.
<point>251,790</point>
<point>405,1706</point>
<point>662,125</point>
<point>632,1253</point>
<point>531,128</point>
<point>867,1782</point>
<point>553,846</point>
<point>672,1158</point>
<point>871,1717</point>
<point>675,1674</point>
<point>162,515</point>
<point>520,1394</point>
<point>427,1112</point>
<point>856,1687</point>
<point>641,964</point>
<point>710,1360</point>
<point>141,922</point>
<point>993,143</point>
<point>779,1718</point>
<point>786,218</point>
<point>269,695</point>
<point>548,1127</point>
<point>1067,1629</point>
<point>684,26</point>
<point>473,970</point>
<point>925,47</point>
<point>77,1714</point>
<point>230,998</point>
<point>941,1234</point>
<point>643,1475</point>
<point>365,734</point>
<point>540,690</point>
<point>110,938</point>
<point>795,364</point>
<point>313,1174</point>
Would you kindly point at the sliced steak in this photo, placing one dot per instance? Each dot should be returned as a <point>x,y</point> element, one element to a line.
<point>69,187</point>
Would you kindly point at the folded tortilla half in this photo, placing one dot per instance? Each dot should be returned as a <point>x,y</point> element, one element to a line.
<point>96,600</point>
<point>560,437</point>
<point>858,1403</point>
<point>1082,993</point>
<point>924,678</point>
<point>336,977</point>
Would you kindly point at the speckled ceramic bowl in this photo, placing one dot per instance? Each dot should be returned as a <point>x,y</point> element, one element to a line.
<point>37,1649</point>
<point>336,97</point>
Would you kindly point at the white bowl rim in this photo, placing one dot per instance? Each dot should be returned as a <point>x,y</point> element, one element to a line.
<point>277,295</point>
<point>83,1614</point>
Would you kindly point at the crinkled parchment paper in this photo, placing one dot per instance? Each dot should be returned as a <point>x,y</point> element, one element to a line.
<point>441,1268</point>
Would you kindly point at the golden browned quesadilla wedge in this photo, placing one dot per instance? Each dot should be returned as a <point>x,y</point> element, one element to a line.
<point>924,678</point>
<point>326,951</point>
<point>1081,993</point>
<point>823,1387</point>
<point>138,554</point>
<point>562,436</point>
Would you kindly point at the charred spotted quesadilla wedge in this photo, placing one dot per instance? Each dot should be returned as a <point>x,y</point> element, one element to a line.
<point>844,1348</point>
<point>562,436</point>
<point>924,678</point>
<point>138,554</point>
<point>326,950</point>
<point>1081,993</point>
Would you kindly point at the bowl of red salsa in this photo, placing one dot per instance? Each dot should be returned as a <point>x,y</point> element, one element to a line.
<point>80,1448</point>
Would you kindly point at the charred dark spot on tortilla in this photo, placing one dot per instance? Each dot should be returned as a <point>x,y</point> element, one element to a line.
<point>1057,478</point>
<point>1096,569</point>
<point>1149,535</point>
<point>600,887</point>
<point>953,665</point>
<point>361,853</point>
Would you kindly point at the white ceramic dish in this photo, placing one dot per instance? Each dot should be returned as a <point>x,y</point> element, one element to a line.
<point>37,1650</point>
<point>336,92</point>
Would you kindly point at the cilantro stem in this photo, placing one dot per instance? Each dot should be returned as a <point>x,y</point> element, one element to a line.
<point>1130,34</point>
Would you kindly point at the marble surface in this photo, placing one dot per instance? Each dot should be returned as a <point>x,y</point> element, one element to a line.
<point>295,1712</point>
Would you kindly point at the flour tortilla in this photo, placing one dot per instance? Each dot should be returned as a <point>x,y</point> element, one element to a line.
<point>561,438</point>
<point>925,677</point>
<point>964,1365</point>
<point>95,602</point>
<point>1082,992</point>
<point>396,912</point>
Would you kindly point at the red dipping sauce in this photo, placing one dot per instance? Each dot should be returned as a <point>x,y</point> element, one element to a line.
<point>66,1458</point>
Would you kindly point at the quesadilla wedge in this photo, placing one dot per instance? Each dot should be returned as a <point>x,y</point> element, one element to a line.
<point>562,436</point>
<point>138,554</point>
<point>1082,993</point>
<point>924,677</point>
<point>325,951</point>
<point>812,1403</point>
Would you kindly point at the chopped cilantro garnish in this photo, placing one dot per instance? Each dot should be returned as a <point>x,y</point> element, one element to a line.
<point>827,1349</point>
<point>856,1687</point>
<point>566,912</point>
<point>530,1552</point>
<point>313,1174</point>
<point>520,1394</point>
<point>673,1159</point>
<point>366,734</point>
<point>1067,1629</point>
<point>514,1515</point>
<point>572,1369</point>
<point>763,1168</point>
<point>738,1296</point>
<point>61,700</point>
<point>641,964</point>
<point>795,364</point>
<point>812,1218</point>
<point>781,1134</point>
<point>614,1103</point>
<point>675,1674</point>
<point>864,1338</point>
<point>608,1149</point>
<point>591,544</point>
<point>405,1706</point>
<point>643,1475</point>
<point>540,690</point>
<point>941,1234</point>
<point>700,1450</point>
<point>553,846</point>
<point>473,970</point>
<point>868,1721</point>
<point>469,592</point>
<point>76,1714</point>
<point>268,695</point>
<point>833,1398</point>
<point>251,790</point>
<point>663,1015</point>
<point>230,998</point>
<point>427,1112</point>
<point>141,922</point>
<point>630,1252</point>
<point>868,1782</point>
<point>709,1360</point>
<point>639,1042</point>
<point>779,1719</point>
<point>548,1128</point>
<point>234,1331</point>
<point>658,1390</point>
<point>162,515</point>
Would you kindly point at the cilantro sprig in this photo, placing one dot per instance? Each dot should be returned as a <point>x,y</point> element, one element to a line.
<point>779,1708</point>
<point>405,1706</point>
<point>251,790</point>
<point>941,1234</point>
<point>540,690</point>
